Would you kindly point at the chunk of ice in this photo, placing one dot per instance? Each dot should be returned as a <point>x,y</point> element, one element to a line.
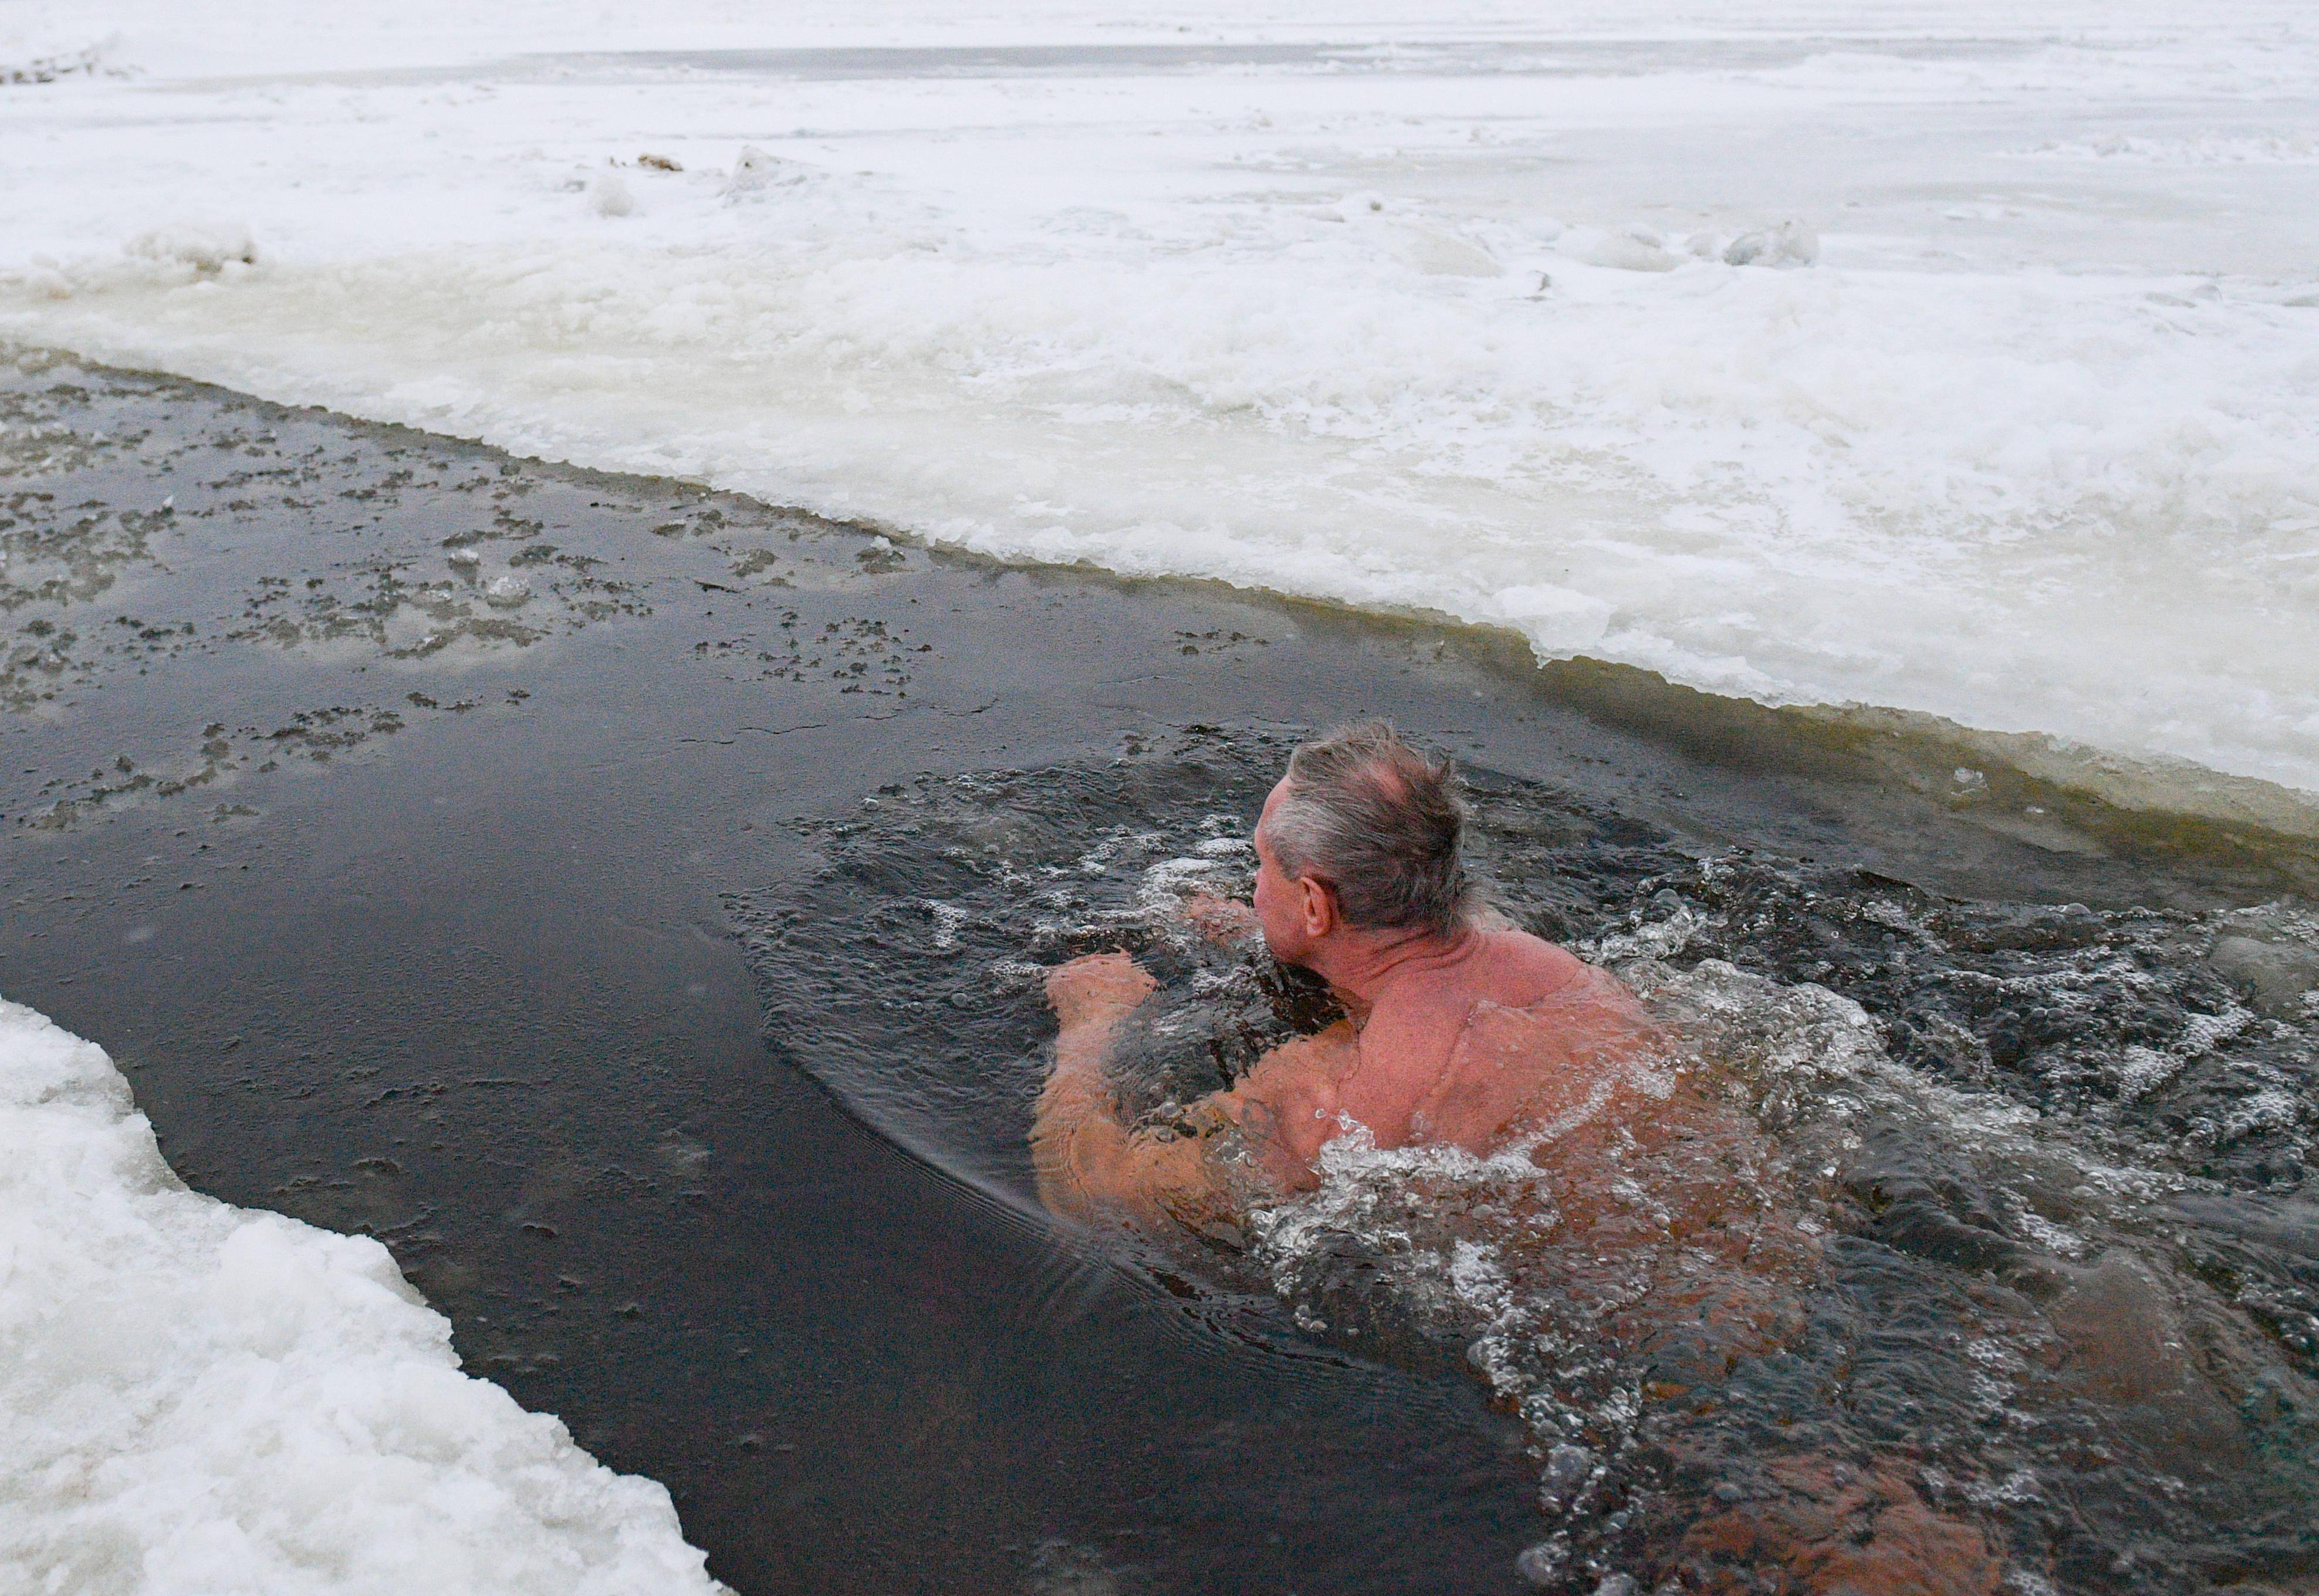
<point>1634,249</point>
<point>610,195</point>
<point>199,1397</point>
<point>1790,244</point>
<point>205,246</point>
<point>754,170</point>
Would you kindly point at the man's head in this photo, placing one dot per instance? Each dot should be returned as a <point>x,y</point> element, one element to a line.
<point>1360,835</point>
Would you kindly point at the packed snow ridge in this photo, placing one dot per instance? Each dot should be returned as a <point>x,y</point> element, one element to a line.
<point>201,1399</point>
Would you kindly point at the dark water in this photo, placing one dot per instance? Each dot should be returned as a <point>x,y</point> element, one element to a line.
<point>2066,1288</point>
<point>622,901</point>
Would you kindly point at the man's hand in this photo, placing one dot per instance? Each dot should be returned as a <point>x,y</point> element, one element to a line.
<point>1220,919</point>
<point>1096,987</point>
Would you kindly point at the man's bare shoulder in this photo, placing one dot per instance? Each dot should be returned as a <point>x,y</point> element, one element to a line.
<point>1517,1010</point>
<point>1519,969</point>
<point>1508,968</point>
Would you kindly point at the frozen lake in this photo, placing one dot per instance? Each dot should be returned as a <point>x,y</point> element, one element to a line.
<point>1409,307</point>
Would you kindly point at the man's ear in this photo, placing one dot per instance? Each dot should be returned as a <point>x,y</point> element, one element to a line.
<point>1319,906</point>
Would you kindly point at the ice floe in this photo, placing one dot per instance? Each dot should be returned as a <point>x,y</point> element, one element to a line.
<point>199,1398</point>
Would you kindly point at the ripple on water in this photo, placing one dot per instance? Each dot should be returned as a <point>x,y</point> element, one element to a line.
<point>1952,1245</point>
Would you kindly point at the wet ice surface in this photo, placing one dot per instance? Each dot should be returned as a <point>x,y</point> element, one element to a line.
<point>2028,1287</point>
<point>1953,358</point>
<point>125,551</point>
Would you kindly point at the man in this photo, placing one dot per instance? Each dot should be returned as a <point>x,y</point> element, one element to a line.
<point>1669,1213</point>
<point>1460,1033</point>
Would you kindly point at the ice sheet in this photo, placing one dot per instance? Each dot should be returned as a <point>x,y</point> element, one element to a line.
<point>198,1398</point>
<point>1405,306</point>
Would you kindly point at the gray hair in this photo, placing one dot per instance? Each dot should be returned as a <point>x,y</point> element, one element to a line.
<point>1381,824</point>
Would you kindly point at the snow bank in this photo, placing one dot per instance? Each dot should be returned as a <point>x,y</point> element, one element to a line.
<point>1456,309</point>
<point>196,1398</point>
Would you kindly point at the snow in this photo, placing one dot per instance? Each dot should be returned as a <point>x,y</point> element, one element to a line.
<point>201,1399</point>
<point>610,195</point>
<point>1448,308</point>
<point>206,247</point>
<point>1790,244</point>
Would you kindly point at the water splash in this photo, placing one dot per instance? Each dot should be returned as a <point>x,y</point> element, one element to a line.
<point>1945,1244</point>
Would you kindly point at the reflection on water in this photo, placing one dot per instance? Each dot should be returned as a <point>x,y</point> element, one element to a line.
<point>1959,1246</point>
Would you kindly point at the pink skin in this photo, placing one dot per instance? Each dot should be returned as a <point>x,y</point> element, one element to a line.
<point>1410,995</point>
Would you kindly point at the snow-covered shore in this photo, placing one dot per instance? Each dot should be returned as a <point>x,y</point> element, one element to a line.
<point>198,1398</point>
<point>1391,304</point>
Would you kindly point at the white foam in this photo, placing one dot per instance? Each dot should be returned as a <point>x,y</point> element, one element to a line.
<point>2032,444</point>
<point>201,1399</point>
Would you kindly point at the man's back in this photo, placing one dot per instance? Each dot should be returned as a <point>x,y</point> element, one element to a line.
<point>1510,1031</point>
<point>1459,1047</point>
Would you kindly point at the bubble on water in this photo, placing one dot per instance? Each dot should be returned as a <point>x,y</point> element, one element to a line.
<point>2271,1108</point>
<point>1163,888</point>
<point>1062,1568</point>
<point>1120,839</point>
<point>948,918</point>
<point>2144,1069</point>
<point>1542,1565</point>
<point>2203,1032</point>
<point>2017,1487</point>
<point>1661,938</point>
<point>1567,1467</point>
<point>2058,1240</point>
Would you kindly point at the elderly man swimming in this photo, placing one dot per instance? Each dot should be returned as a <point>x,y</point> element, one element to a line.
<point>1662,1208</point>
<point>1460,1033</point>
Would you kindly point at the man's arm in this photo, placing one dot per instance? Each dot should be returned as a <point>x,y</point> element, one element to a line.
<point>1088,1164</point>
